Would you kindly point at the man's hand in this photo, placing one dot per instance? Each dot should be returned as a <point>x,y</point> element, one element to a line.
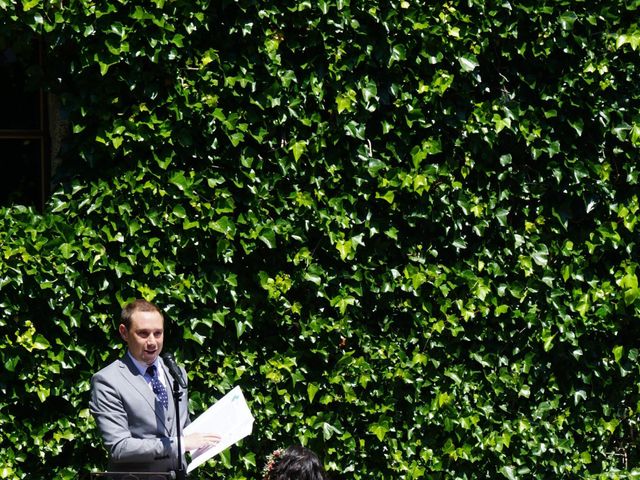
<point>194,441</point>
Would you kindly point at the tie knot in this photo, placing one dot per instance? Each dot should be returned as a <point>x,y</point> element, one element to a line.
<point>151,371</point>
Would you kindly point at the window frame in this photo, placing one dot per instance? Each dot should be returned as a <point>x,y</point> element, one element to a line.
<point>41,134</point>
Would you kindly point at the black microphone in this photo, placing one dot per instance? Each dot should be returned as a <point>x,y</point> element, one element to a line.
<point>173,369</point>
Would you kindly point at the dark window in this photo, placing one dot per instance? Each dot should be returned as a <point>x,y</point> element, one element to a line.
<point>24,137</point>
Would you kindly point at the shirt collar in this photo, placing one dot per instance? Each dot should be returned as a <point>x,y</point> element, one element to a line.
<point>141,366</point>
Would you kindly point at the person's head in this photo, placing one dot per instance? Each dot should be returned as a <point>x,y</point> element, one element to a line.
<point>294,463</point>
<point>142,328</point>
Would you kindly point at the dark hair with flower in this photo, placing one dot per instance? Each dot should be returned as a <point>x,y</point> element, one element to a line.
<point>271,460</point>
<point>294,463</point>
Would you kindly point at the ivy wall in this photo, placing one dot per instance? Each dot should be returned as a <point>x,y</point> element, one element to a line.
<point>406,229</point>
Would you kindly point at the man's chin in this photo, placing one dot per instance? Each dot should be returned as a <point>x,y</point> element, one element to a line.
<point>150,357</point>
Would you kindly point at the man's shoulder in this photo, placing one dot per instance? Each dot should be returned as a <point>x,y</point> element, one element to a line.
<point>113,367</point>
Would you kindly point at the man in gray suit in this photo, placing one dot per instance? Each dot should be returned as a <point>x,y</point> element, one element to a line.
<point>132,400</point>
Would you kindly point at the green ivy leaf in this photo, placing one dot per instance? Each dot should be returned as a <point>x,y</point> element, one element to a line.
<point>380,429</point>
<point>468,63</point>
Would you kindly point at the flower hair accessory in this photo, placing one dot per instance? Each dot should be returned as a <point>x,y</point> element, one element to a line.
<point>272,459</point>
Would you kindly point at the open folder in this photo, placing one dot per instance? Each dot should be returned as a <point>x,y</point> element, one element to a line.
<point>229,417</point>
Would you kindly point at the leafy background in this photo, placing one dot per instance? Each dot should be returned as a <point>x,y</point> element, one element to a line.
<point>406,230</point>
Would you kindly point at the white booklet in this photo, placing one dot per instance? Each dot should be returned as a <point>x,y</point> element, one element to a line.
<point>229,417</point>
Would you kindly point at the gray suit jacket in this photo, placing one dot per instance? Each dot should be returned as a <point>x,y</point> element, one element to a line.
<point>140,434</point>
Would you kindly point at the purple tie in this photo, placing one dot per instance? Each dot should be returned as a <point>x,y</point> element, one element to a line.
<point>157,386</point>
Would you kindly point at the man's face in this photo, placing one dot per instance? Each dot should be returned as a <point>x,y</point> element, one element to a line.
<point>145,336</point>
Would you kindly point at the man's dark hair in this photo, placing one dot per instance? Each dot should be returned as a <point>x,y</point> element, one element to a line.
<point>297,463</point>
<point>138,305</point>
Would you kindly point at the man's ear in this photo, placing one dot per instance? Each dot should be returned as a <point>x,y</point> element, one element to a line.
<point>123,332</point>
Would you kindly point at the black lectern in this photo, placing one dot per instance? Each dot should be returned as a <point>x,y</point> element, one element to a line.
<point>132,476</point>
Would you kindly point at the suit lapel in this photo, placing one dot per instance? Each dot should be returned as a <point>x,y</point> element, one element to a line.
<point>132,375</point>
<point>172,407</point>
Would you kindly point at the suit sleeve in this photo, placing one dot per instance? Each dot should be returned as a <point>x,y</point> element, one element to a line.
<point>184,407</point>
<point>110,412</point>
